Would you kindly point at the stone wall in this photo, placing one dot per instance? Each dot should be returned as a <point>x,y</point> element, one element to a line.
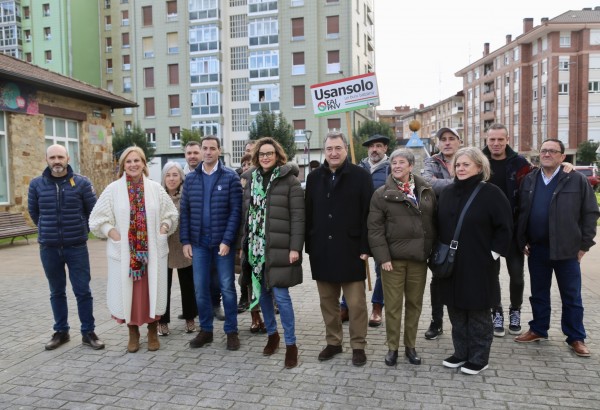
<point>27,146</point>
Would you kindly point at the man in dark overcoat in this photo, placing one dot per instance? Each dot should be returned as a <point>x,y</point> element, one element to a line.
<point>338,195</point>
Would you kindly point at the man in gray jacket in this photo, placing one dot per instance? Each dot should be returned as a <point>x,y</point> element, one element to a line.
<point>557,226</point>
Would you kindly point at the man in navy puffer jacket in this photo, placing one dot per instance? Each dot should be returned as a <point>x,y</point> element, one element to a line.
<point>60,203</point>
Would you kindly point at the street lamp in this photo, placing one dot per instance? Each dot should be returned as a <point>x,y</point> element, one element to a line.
<point>308,134</point>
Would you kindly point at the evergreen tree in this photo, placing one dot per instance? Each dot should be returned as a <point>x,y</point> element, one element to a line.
<point>268,124</point>
<point>134,136</point>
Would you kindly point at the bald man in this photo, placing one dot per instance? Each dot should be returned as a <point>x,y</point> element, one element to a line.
<point>60,202</point>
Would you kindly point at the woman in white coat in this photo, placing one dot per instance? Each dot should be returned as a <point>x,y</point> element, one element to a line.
<point>136,215</point>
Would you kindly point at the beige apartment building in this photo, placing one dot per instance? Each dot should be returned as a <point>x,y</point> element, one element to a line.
<point>545,83</point>
<point>213,65</point>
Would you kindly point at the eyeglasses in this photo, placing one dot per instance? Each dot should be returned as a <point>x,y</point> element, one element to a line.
<point>549,151</point>
<point>266,154</point>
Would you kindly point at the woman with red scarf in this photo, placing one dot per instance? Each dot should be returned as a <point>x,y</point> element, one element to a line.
<point>136,215</point>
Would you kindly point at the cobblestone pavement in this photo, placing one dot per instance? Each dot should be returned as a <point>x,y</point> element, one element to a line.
<point>534,376</point>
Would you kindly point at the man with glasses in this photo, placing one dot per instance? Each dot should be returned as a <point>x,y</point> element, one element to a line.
<point>556,227</point>
<point>338,195</point>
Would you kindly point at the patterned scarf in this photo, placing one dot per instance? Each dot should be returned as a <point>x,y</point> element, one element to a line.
<point>138,232</point>
<point>408,188</point>
<point>256,230</point>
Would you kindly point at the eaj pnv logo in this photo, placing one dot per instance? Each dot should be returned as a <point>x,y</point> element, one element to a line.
<point>322,106</point>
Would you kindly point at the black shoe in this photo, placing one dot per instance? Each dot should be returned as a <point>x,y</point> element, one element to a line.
<point>453,362</point>
<point>411,353</point>
<point>391,358</point>
<point>233,341</point>
<point>329,352</point>
<point>90,339</point>
<point>58,338</point>
<point>359,358</point>
<point>514,317</point>
<point>472,368</point>
<point>434,331</point>
<point>201,339</point>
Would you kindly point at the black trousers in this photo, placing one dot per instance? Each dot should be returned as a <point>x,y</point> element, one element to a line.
<point>472,334</point>
<point>188,295</point>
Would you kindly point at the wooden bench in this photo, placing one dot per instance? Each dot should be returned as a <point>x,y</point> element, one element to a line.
<point>14,226</point>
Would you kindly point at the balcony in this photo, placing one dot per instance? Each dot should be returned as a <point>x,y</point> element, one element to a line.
<point>458,109</point>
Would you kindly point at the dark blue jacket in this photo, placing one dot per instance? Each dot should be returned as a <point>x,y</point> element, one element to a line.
<point>61,209</point>
<point>381,173</point>
<point>226,207</point>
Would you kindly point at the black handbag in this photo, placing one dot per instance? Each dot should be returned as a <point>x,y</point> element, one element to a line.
<point>441,261</point>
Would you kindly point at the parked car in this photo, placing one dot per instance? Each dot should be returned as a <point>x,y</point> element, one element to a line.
<point>591,172</point>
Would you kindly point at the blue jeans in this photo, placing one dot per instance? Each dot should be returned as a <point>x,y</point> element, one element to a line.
<point>286,312</point>
<point>204,256</point>
<point>568,278</point>
<point>377,296</point>
<point>76,258</point>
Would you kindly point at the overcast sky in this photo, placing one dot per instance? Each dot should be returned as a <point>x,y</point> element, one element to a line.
<point>421,44</point>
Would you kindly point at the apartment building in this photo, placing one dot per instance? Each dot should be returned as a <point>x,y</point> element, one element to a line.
<point>545,83</point>
<point>446,113</point>
<point>59,35</point>
<point>213,65</point>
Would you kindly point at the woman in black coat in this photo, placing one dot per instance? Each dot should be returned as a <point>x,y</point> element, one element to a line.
<point>486,233</point>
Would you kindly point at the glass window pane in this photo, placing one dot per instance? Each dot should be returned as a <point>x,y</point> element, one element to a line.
<point>72,129</point>
<point>49,126</point>
<point>60,128</point>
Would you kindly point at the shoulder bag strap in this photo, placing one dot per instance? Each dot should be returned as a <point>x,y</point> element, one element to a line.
<point>454,243</point>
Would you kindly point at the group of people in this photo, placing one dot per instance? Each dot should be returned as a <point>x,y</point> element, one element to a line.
<point>201,217</point>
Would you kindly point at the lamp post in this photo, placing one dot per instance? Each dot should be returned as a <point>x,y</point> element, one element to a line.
<point>308,134</point>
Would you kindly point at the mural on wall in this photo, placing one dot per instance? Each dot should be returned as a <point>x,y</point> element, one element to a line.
<point>17,97</point>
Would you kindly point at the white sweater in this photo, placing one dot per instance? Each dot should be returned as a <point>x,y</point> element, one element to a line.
<point>112,211</point>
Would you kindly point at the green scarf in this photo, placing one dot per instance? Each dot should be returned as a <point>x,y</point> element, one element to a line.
<point>256,230</point>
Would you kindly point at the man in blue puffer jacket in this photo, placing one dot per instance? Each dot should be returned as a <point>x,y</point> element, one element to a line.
<point>60,203</point>
<point>210,215</point>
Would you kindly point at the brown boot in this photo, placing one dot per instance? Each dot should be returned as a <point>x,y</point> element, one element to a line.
<point>134,339</point>
<point>375,319</point>
<point>272,344</point>
<point>153,343</point>
<point>291,356</point>
<point>257,322</point>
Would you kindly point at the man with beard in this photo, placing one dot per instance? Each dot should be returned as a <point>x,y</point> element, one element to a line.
<point>60,202</point>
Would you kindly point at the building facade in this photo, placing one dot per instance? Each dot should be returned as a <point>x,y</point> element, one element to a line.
<point>543,84</point>
<point>213,65</point>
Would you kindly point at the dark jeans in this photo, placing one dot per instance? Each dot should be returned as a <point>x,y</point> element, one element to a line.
<point>568,278</point>
<point>377,296</point>
<point>76,258</point>
<point>472,334</point>
<point>188,296</point>
<point>437,307</point>
<point>215,290</point>
<point>515,261</point>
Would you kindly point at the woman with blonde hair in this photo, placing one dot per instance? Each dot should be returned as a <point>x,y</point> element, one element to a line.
<point>136,215</point>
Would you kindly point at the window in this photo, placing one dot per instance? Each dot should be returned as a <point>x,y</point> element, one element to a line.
<point>48,54</point>
<point>46,9</point>
<point>565,39</point>
<point>110,86</point>
<point>126,62</point>
<point>333,26</point>
<point>124,17</point>
<point>535,94</point>
<point>204,70</point>
<point>264,97</point>
<point>263,31</point>
<point>298,28</point>
<point>126,84</point>
<point>208,127</point>
<point>148,47</point>
<point>239,89</point>
<point>146,16</point>
<point>299,134</point>
<point>333,62</point>
<point>238,26</point>
<point>151,136</point>
<point>299,96</point>
<point>65,133</point>
<point>149,107</point>
<point>239,58</point>
<point>108,44</point>
<point>238,148</point>
<point>543,91</point>
<point>106,4</point>
<point>174,108</point>
<point>264,64</point>
<point>298,67</point>
<point>206,101</point>
<point>28,57</point>
<point>174,137</point>
<point>507,79</point>
<point>563,64</point>
<point>125,40</point>
<point>171,10</point>
<point>204,38</point>
<point>516,97</point>
<point>26,13</point>
<point>594,86</point>
<point>107,23</point>
<point>239,119</point>
<point>149,77</point>
<point>203,9</point>
<point>516,53</point>
<point>28,36</point>
<point>172,43</point>
<point>261,6</point>
<point>4,188</point>
<point>334,124</point>
<point>594,36</point>
<point>173,70</point>
<point>47,33</point>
